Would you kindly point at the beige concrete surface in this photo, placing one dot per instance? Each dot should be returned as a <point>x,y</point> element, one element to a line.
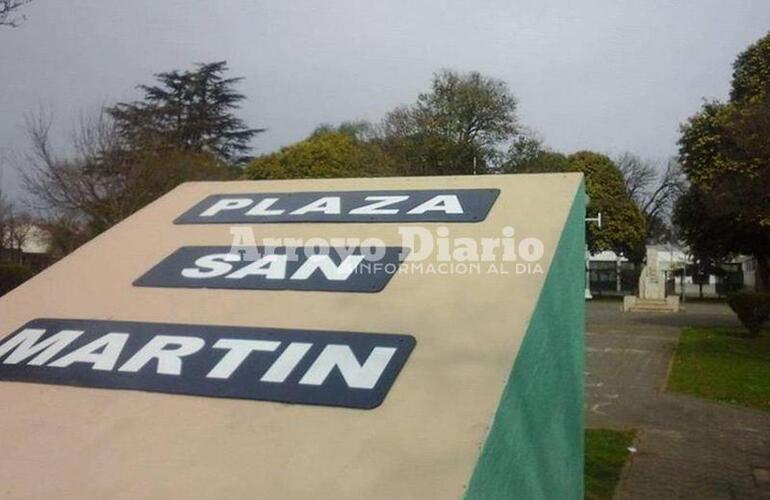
<point>67,442</point>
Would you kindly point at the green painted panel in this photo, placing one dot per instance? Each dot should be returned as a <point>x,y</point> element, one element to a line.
<point>534,449</point>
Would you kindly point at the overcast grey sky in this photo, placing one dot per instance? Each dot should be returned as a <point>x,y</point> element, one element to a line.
<point>606,75</point>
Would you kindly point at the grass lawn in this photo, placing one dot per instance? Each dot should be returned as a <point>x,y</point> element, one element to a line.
<point>606,454</point>
<point>724,365</point>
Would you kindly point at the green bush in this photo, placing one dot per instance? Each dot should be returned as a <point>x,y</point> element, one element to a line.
<point>752,308</point>
<point>13,275</point>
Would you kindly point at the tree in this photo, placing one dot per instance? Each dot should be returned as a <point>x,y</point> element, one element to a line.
<point>361,130</point>
<point>190,111</point>
<point>13,274</point>
<point>751,72</point>
<point>528,155</point>
<point>14,231</point>
<point>9,12</point>
<point>623,226</point>
<point>654,191</point>
<point>6,215</point>
<point>106,181</point>
<point>326,153</point>
<point>724,151</point>
<point>62,235</point>
<point>183,130</point>
<point>15,228</point>
<point>637,174</point>
<point>524,152</point>
<point>5,205</point>
<point>456,128</point>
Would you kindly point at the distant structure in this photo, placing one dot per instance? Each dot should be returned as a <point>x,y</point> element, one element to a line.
<point>30,248</point>
<point>612,275</point>
<point>652,289</point>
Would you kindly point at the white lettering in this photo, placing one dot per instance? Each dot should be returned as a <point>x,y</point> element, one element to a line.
<point>379,202</point>
<point>213,264</point>
<point>226,204</point>
<point>327,205</point>
<point>447,203</point>
<point>410,236</point>
<point>111,345</point>
<point>531,249</point>
<point>286,362</point>
<point>327,266</point>
<point>26,345</point>
<point>356,375</point>
<point>272,267</point>
<point>238,351</point>
<point>263,208</point>
<point>169,360</point>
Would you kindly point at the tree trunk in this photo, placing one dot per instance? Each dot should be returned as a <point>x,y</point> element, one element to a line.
<point>762,273</point>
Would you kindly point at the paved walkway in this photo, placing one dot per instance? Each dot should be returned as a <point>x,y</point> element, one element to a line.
<point>688,448</point>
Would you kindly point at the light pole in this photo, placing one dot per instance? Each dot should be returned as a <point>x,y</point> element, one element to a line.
<point>598,220</point>
<point>588,275</point>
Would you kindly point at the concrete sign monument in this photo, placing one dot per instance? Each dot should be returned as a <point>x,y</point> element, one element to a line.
<point>343,339</point>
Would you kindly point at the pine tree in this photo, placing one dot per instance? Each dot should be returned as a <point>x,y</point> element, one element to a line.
<point>190,111</point>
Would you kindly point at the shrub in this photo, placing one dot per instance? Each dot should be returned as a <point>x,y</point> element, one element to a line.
<point>13,275</point>
<point>752,308</point>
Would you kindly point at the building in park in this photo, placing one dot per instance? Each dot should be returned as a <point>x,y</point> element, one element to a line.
<point>613,275</point>
<point>346,339</point>
<point>26,245</point>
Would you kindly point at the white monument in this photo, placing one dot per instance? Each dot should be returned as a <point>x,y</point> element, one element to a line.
<point>652,289</point>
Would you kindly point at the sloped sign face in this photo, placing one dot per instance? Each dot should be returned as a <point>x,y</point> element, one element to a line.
<point>292,366</point>
<point>446,205</point>
<point>276,268</point>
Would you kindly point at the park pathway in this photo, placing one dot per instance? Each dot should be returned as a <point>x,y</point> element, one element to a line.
<point>687,448</point>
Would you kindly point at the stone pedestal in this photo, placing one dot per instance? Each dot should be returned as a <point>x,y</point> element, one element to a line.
<point>652,290</point>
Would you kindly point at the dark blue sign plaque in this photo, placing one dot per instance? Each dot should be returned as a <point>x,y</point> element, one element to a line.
<point>434,205</point>
<point>347,369</point>
<point>277,268</point>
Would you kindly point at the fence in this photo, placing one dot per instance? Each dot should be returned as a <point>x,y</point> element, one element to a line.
<point>611,279</point>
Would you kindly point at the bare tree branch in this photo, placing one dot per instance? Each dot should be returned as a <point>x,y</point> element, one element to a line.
<point>70,187</point>
<point>105,180</point>
<point>654,190</point>
<point>15,230</point>
<point>670,185</point>
<point>9,15</point>
<point>5,214</point>
<point>638,175</point>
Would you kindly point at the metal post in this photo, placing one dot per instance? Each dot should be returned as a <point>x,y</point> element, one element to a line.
<point>588,275</point>
<point>598,220</point>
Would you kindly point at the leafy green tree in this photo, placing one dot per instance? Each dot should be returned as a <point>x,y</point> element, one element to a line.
<point>527,160</point>
<point>624,228</point>
<point>456,128</point>
<point>327,153</point>
<point>361,130</point>
<point>724,150</point>
<point>524,152</point>
<point>751,72</point>
<point>421,154</point>
<point>188,111</point>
